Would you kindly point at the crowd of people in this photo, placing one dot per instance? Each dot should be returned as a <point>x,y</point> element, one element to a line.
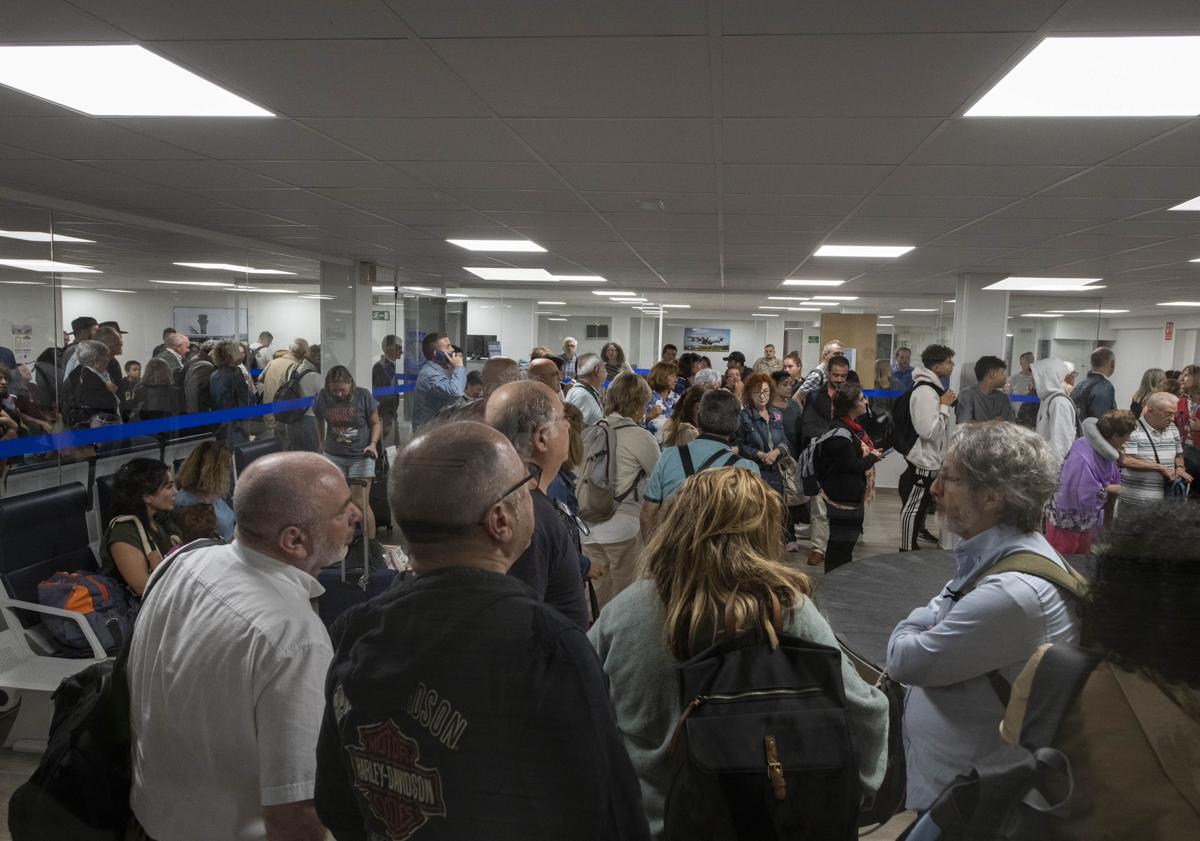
<point>577,531</point>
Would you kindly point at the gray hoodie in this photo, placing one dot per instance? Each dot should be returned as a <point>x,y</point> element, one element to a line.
<point>933,422</point>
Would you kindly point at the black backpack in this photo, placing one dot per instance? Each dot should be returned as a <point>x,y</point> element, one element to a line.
<point>290,390</point>
<point>904,434</point>
<point>762,750</point>
<point>80,790</point>
<point>1022,800</point>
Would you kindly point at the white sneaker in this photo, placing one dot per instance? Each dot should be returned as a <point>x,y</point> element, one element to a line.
<point>792,547</point>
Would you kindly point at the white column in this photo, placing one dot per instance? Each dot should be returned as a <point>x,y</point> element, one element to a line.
<point>980,324</point>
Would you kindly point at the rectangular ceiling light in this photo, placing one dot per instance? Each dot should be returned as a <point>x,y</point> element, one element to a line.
<point>835,297</point>
<point>417,288</point>
<point>862,250</point>
<point>1092,311</point>
<point>580,278</point>
<point>39,236</point>
<point>1041,315</point>
<point>1113,76</point>
<point>496,244</point>
<point>786,298</point>
<point>456,295</point>
<point>192,283</point>
<point>121,80</point>
<point>885,316</point>
<point>48,266</point>
<point>1179,304</point>
<point>318,297</point>
<point>230,267</point>
<point>1190,204</point>
<point>801,282</point>
<point>677,306</point>
<point>552,303</point>
<point>1044,284</point>
<point>764,315</point>
<point>916,309</point>
<point>122,291</point>
<point>617,294</point>
<point>491,273</point>
<point>264,289</point>
<point>556,319</point>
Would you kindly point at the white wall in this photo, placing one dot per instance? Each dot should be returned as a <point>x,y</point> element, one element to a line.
<point>512,321</point>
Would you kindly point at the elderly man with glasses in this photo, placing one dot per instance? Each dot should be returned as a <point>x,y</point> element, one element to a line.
<point>1153,458</point>
<point>1010,594</point>
<point>460,702</point>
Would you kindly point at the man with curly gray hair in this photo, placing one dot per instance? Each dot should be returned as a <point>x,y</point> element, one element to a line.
<point>960,653</point>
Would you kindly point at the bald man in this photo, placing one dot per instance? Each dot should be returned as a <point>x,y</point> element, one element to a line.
<point>545,371</point>
<point>459,705</point>
<point>228,661</point>
<point>530,416</point>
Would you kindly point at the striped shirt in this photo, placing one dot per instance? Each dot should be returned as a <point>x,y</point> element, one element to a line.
<point>1148,444</point>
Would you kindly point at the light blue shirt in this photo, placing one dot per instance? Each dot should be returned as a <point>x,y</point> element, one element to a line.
<point>436,388</point>
<point>668,474</point>
<point>944,651</point>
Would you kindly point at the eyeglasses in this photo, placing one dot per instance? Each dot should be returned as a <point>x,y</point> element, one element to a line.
<point>535,475</point>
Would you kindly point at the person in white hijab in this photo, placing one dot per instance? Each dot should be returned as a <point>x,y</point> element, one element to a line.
<point>1053,379</point>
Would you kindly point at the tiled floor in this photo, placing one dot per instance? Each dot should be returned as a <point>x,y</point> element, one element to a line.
<point>880,536</point>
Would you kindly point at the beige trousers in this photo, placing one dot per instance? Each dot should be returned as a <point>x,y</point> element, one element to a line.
<point>622,563</point>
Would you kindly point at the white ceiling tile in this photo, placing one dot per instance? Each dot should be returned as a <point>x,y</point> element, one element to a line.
<point>845,16</point>
<point>425,139</point>
<point>680,178</point>
<point>774,222</point>
<point>60,176</point>
<point>78,137</point>
<point>373,198</point>
<point>673,221</point>
<point>239,19</point>
<point>1049,207</point>
<point>54,21</point>
<point>485,176</point>
<point>187,175</point>
<point>802,178</point>
<point>1133,182</point>
<point>1155,16</point>
<point>1074,142</point>
<point>616,140</point>
<point>552,18</point>
<point>973,180</point>
<point>942,207</point>
<point>858,75</point>
<point>585,77</point>
<point>833,140</point>
<point>331,78</point>
<point>237,138</point>
<point>283,198</point>
<point>546,201</point>
<point>1179,148</point>
<point>911,231</point>
<point>788,205</point>
<point>672,202</point>
<point>334,174</point>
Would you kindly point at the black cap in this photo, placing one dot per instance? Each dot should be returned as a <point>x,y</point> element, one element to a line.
<point>114,325</point>
<point>82,323</point>
<point>736,356</point>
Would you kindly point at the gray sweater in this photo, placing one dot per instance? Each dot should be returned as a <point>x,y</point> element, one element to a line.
<point>644,684</point>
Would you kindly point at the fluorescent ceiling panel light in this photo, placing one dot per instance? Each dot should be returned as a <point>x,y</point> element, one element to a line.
<point>862,250</point>
<point>556,319</point>
<point>264,289</point>
<point>772,307</point>
<point>1041,315</point>
<point>631,300</point>
<point>38,236</point>
<point>1174,304</point>
<point>48,266</point>
<point>802,282</point>
<point>764,315</point>
<point>885,316</point>
<point>1092,311</point>
<point>192,283</point>
<point>490,273</point>
<point>417,288</point>
<point>835,297</point>
<point>1142,76</point>
<point>118,80</point>
<point>456,295</point>
<point>916,309</point>
<point>951,301</point>
<point>677,306</point>
<point>552,303</point>
<point>23,282</point>
<point>496,244</point>
<point>580,278</point>
<point>803,309</point>
<point>122,291</point>
<point>1190,204</point>
<point>1044,284</point>
<point>786,298</point>
<point>616,294</point>
<point>318,297</point>
<point>230,267</point>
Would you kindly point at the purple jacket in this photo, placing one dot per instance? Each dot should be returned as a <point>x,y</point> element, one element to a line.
<point>1091,465</point>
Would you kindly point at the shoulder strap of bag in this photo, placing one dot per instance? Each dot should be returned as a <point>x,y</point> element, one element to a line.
<point>148,548</point>
<point>733,459</point>
<point>685,458</point>
<point>711,460</point>
<point>1060,677</point>
<point>1150,439</point>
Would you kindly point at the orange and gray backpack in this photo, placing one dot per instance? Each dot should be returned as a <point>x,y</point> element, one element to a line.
<point>101,600</point>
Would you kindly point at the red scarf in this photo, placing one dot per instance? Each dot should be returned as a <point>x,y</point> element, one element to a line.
<point>858,432</point>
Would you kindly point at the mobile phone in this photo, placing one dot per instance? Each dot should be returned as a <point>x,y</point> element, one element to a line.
<point>441,357</point>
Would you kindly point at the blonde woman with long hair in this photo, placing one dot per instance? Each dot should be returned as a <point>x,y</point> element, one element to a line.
<point>716,549</point>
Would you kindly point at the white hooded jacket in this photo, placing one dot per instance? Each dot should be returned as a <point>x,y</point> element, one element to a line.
<point>933,422</point>
<point>1056,414</point>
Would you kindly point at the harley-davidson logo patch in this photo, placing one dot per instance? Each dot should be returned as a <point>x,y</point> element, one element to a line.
<point>400,792</point>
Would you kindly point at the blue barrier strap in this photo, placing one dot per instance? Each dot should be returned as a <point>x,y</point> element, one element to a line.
<point>118,432</point>
<point>1014,398</point>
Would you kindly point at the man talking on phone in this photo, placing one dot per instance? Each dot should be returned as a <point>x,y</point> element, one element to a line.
<point>442,379</point>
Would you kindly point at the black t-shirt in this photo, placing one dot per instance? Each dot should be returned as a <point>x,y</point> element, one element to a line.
<point>551,565</point>
<point>459,706</point>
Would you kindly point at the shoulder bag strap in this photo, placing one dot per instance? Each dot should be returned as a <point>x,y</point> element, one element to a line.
<point>1150,439</point>
<point>1060,677</point>
<point>148,548</point>
<point>685,458</point>
<point>711,460</point>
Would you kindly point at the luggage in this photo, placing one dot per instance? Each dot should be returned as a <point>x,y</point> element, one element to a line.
<point>353,581</point>
<point>379,492</point>
<point>1022,800</point>
<point>806,465</point>
<point>597,487</point>
<point>762,750</point>
<point>100,599</point>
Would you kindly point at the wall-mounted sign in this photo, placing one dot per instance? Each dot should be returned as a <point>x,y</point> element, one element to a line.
<point>381,315</point>
<point>1169,331</point>
<point>706,339</point>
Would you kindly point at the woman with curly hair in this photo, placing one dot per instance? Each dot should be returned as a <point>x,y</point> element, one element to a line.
<point>715,554</point>
<point>615,365</point>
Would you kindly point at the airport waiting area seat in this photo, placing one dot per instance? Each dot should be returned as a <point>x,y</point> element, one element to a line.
<point>41,533</point>
<point>244,454</point>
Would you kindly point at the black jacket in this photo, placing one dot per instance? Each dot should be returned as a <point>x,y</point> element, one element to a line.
<point>551,565</point>
<point>818,416</point>
<point>842,468</point>
<point>86,395</point>
<point>458,706</point>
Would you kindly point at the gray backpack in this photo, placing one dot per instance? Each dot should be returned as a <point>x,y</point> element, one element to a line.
<point>597,486</point>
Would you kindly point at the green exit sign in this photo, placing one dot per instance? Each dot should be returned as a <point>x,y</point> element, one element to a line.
<point>381,315</point>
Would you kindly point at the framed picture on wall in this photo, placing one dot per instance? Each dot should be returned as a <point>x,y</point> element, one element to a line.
<point>212,323</point>
<point>706,339</point>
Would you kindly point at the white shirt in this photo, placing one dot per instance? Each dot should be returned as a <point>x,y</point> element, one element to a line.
<point>226,681</point>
